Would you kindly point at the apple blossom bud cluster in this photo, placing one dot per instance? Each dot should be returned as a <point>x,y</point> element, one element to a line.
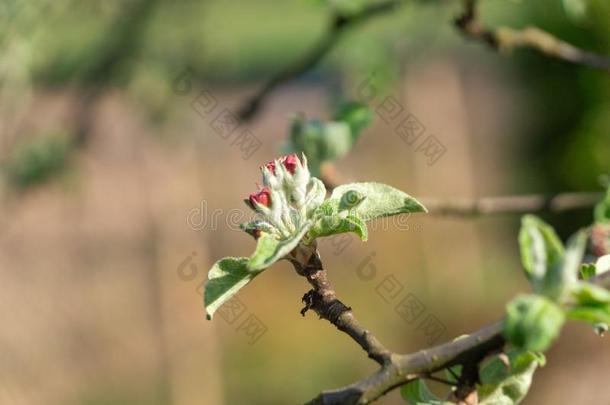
<point>287,199</point>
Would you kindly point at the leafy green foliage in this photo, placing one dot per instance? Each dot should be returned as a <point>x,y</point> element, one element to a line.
<point>532,322</point>
<point>333,225</point>
<point>293,212</point>
<point>38,160</point>
<point>269,249</point>
<point>551,269</point>
<point>587,270</point>
<point>507,384</point>
<point>357,115</point>
<point>332,140</point>
<point>592,304</point>
<point>561,278</point>
<point>380,200</point>
<point>541,249</point>
<point>225,278</point>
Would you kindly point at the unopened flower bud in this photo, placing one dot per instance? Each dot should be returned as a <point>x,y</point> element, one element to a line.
<point>262,197</point>
<point>290,162</point>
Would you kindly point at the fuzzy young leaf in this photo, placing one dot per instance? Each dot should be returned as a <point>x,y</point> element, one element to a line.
<point>560,278</point>
<point>269,249</point>
<point>532,322</point>
<point>334,224</point>
<point>592,304</point>
<point>417,393</point>
<point>587,270</point>
<point>380,200</point>
<point>225,278</point>
<point>541,249</point>
<point>503,384</point>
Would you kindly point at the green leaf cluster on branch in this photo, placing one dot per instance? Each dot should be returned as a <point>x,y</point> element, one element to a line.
<point>492,366</point>
<point>291,210</point>
<point>327,141</point>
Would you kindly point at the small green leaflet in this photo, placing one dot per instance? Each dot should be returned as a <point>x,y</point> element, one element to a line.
<point>540,248</point>
<point>532,322</point>
<point>269,249</point>
<point>502,385</point>
<point>560,278</point>
<point>225,278</point>
<point>587,270</point>
<point>592,304</point>
<point>357,115</point>
<point>380,200</point>
<point>333,224</point>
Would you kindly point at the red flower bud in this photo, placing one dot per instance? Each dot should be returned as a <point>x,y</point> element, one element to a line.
<point>262,197</point>
<point>290,162</point>
<point>271,166</point>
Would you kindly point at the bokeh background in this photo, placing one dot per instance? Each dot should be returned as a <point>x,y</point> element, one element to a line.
<point>103,158</point>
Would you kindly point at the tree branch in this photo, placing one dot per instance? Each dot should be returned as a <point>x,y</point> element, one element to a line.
<point>339,24</point>
<point>396,369</point>
<point>323,301</point>
<point>516,204</point>
<point>506,39</point>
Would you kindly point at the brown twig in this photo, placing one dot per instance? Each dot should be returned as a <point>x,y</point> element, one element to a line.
<point>507,39</point>
<point>515,204</point>
<point>323,301</point>
<point>338,25</point>
<point>395,369</point>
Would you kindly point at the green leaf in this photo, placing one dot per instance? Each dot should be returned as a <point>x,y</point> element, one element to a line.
<point>532,322</point>
<point>333,224</point>
<point>357,115</point>
<point>315,196</point>
<point>540,248</point>
<point>507,384</point>
<point>225,278</point>
<point>591,304</point>
<point>336,140</point>
<point>320,141</point>
<point>587,270</point>
<point>417,393</point>
<point>269,249</point>
<point>380,200</point>
<point>560,278</point>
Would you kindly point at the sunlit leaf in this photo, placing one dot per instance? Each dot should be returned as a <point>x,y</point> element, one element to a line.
<point>380,200</point>
<point>225,278</point>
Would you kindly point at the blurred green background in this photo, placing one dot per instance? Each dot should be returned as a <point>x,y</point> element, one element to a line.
<point>103,159</point>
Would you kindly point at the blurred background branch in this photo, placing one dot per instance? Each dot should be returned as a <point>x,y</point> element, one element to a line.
<point>517,204</point>
<point>339,24</point>
<point>507,39</point>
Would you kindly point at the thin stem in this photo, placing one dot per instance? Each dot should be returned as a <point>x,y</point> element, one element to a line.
<point>514,204</point>
<point>323,301</point>
<point>506,39</point>
<point>338,25</point>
